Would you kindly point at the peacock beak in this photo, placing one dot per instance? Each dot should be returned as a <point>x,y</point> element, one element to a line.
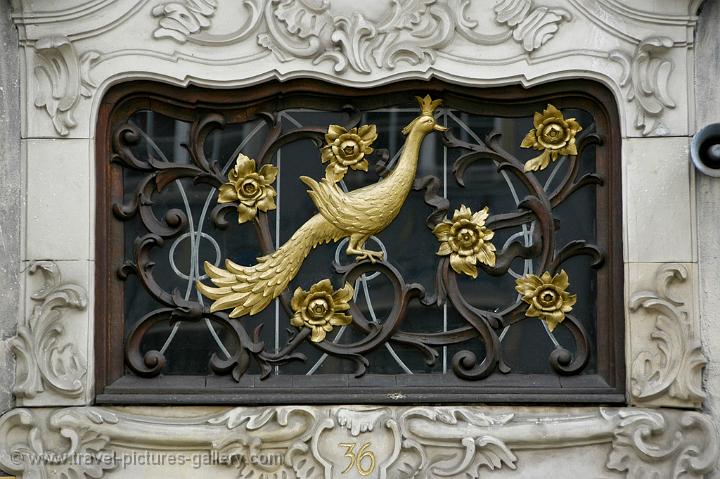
<point>439,128</point>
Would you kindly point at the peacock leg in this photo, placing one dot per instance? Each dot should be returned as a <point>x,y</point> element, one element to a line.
<point>356,247</point>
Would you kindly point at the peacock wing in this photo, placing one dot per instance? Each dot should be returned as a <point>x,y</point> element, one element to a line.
<point>339,208</point>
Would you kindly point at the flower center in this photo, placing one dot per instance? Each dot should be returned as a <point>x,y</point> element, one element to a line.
<point>318,308</point>
<point>349,148</point>
<point>466,237</point>
<point>547,298</point>
<point>249,187</point>
<point>553,132</point>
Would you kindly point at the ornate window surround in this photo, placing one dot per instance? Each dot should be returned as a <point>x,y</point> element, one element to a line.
<point>73,55</point>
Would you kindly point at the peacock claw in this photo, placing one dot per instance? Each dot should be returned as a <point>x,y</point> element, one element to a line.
<point>363,254</point>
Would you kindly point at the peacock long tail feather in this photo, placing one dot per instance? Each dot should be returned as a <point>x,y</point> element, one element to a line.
<point>249,289</point>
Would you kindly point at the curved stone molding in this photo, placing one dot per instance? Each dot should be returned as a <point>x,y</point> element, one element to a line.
<point>646,76</point>
<point>353,441</point>
<point>671,363</point>
<point>647,444</point>
<point>463,432</point>
<point>46,359</point>
<point>632,50</point>
<point>412,31</point>
<point>638,48</point>
<point>409,30</point>
<point>62,78</point>
<point>30,446</point>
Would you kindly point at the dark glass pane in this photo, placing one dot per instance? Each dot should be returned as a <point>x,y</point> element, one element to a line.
<point>478,163</point>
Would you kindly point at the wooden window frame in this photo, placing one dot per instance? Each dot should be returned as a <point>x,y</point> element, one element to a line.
<point>114,387</point>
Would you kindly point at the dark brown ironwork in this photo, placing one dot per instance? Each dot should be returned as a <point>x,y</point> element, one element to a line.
<point>209,110</point>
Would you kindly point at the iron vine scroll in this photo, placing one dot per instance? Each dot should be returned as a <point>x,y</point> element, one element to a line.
<point>465,243</point>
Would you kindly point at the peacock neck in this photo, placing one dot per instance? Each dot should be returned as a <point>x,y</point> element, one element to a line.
<point>406,167</point>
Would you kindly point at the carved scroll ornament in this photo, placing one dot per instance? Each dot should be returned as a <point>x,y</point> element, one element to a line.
<point>46,358</point>
<point>62,78</point>
<point>384,442</point>
<point>646,77</point>
<point>673,361</point>
<point>409,31</point>
<point>367,41</point>
<point>375,37</point>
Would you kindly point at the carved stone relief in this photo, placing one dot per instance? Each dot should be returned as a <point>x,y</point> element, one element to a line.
<point>368,44</point>
<point>180,20</point>
<point>46,358</point>
<point>62,77</point>
<point>668,370</point>
<point>34,448</point>
<point>176,41</point>
<point>645,77</point>
<point>353,441</point>
<point>532,27</point>
<point>412,31</point>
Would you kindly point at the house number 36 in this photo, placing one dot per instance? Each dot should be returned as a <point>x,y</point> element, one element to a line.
<point>363,460</point>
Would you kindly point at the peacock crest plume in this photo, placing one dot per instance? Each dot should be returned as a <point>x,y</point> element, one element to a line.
<point>356,215</point>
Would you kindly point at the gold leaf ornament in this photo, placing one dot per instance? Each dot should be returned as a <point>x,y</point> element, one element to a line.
<point>467,240</point>
<point>250,188</point>
<point>547,296</point>
<point>357,215</point>
<point>347,149</point>
<point>553,135</point>
<point>321,308</point>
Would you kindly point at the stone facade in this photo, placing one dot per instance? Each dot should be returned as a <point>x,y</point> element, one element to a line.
<point>643,51</point>
<point>707,111</point>
<point>356,441</point>
<point>10,199</point>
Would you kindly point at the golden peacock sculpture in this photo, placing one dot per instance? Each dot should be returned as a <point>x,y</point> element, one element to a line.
<point>356,215</point>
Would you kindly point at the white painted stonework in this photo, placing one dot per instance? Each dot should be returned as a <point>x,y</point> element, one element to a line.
<point>642,50</point>
<point>396,442</point>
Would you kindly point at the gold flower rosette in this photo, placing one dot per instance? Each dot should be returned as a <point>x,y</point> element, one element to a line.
<point>553,135</point>
<point>321,308</point>
<point>547,297</point>
<point>250,188</point>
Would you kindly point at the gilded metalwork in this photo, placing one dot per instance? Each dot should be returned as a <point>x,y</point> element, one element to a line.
<point>553,135</point>
<point>250,189</point>
<point>321,309</point>
<point>547,297</point>
<point>466,240</point>
<point>525,232</point>
<point>357,214</point>
<point>347,149</point>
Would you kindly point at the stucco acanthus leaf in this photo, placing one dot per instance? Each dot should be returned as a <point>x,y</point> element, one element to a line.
<point>178,20</point>
<point>645,76</point>
<point>45,357</point>
<point>358,423</point>
<point>251,434</point>
<point>464,435</point>
<point>675,366</point>
<point>26,450</point>
<point>62,78</point>
<point>646,445</point>
<point>530,27</point>
<point>405,442</point>
<point>378,37</point>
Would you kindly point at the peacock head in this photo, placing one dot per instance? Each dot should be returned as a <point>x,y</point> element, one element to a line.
<point>425,123</point>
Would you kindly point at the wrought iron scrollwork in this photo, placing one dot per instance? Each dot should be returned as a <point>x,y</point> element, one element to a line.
<point>534,212</point>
